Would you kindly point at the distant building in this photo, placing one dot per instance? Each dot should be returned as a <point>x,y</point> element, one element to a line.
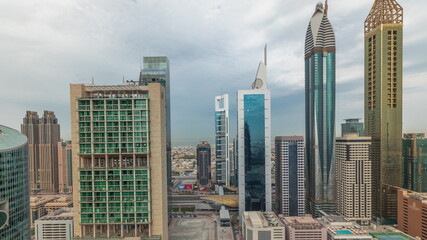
<point>157,69</point>
<point>352,125</point>
<point>234,164</point>
<point>262,226</point>
<point>43,136</point>
<point>14,190</point>
<point>119,141</point>
<point>65,168</point>
<point>203,156</point>
<point>340,227</point>
<point>303,228</point>
<point>412,213</point>
<point>319,58</point>
<point>37,207</point>
<point>222,144</point>
<point>254,145</point>
<point>353,177</point>
<point>414,151</point>
<point>290,179</point>
<point>57,225</point>
<point>383,96</point>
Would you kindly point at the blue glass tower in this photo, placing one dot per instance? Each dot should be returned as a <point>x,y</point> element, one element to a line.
<point>320,113</point>
<point>254,145</point>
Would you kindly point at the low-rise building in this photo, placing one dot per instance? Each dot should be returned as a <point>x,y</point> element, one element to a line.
<point>37,207</point>
<point>412,212</point>
<point>262,226</point>
<point>57,225</point>
<point>59,203</point>
<point>340,227</point>
<point>303,228</point>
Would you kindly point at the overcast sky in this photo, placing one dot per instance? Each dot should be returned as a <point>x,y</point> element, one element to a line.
<point>214,47</point>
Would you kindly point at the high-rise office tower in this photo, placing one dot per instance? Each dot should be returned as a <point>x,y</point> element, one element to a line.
<point>254,144</point>
<point>14,193</point>
<point>65,170</point>
<point>234,163</point>
<point>415,162</point>
<point>320,112</point>
<point>203,155</point>
<point>352,125</point>
<point>290,185</point>
<point>119,161</point>
<point>222,129</point>
<point>383,101</point>
<point>43,136</point>
<point>156,69</point>
<point>353,177</point>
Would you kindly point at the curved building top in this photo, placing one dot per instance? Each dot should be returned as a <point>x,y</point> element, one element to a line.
<point>10,139</point>
<point>319,32</point>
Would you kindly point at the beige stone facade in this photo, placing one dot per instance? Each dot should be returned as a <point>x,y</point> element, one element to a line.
<point>353,177</point>
<point>119,161</point>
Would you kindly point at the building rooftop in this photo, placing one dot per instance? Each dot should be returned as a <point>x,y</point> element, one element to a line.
<point>306,222</point>
<point>338,225</point>
<point>290,138</point>
<point>391,236</point>
<point>10,139</point>
<point>61,214</point>
<point>262,219</point>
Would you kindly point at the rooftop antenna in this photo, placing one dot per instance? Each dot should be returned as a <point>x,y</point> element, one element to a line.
<point>123,79</point>
<point>265,53</point>
<point>93,81</point>
<point>326,7</point>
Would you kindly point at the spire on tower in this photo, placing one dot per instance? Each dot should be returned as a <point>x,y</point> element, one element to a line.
<point>326,7</point>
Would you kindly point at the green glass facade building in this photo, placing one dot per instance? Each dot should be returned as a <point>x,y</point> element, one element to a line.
<point>119,161</point>
<point>414,153</point>
<point>14,186</point>
<point>383,104</point>
<point>320,113</point>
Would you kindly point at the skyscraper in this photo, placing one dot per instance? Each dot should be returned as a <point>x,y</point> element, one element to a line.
<point>254,145</point>
<point>43,136</point>
<point>14,193</point>
<point>415,162</point>
<point>354,177</point>
<point>352,125</point>
<point>320,112</point>
<point>383,101</point>
<point>119,161</point>
<point>156,69</point>
<point>290,180</point>
<point>204,177</point>
<point>222,130</point>
<point>65,170</point>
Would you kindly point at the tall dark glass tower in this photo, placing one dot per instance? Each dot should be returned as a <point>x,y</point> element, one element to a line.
<point>254,144</point>
<point>320,112</point>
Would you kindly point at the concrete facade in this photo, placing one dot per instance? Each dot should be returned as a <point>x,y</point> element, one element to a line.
<point>303,228</point>
<point>57,225</point>
<point>43,136</point>
<point>290,178</point>
<point>353,177</point>
<point>412,212</point>
<point>262,226</point>
<point>119,138</point>
<point>65,173</point>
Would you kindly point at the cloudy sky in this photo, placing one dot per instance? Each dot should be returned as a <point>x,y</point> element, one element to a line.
<point>214,47</point>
